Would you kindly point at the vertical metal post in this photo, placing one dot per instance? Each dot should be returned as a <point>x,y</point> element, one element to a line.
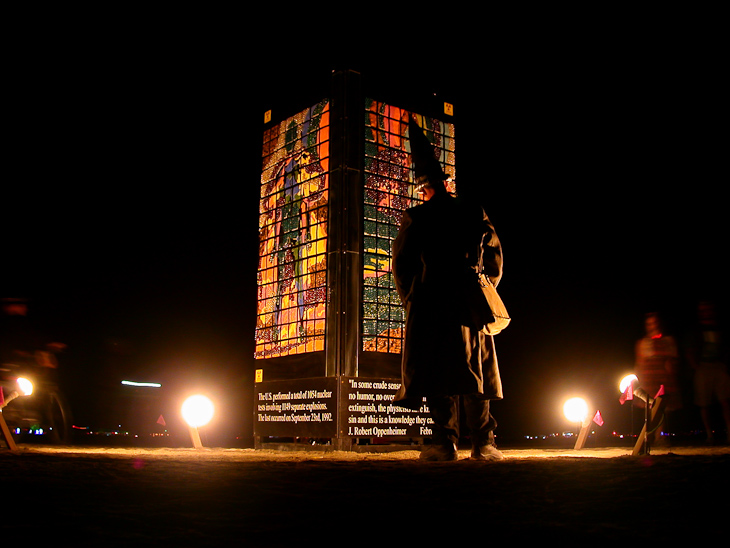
<point>345,221</point>
<point>646,428</point>
<point>345,212</point>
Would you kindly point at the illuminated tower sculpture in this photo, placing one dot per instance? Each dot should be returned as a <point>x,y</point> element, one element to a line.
<point>335,180</point>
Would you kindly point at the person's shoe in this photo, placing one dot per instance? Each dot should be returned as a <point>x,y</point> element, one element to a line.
<point>486,453</point>
<point>439,453</point>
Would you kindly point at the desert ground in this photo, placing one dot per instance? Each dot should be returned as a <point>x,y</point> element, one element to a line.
<point>104,496</point>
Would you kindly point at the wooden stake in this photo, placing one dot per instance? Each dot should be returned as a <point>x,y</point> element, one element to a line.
<point>6,434</point>
<point>195,436</point>
<point>583,435</point>
<point>657,410</point>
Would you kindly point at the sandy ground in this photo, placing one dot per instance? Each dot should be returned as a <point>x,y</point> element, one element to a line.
<point>89,496</point>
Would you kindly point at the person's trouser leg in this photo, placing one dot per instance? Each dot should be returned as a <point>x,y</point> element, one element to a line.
<point>445,416</point>
<point>480,421</point>
<point>481,426</point>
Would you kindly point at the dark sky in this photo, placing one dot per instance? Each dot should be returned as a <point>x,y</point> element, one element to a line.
<point>129,220</point>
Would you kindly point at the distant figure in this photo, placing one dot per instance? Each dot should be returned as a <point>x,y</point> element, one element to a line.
<point>445,358</point>
<point>708,355</point>
<point>656,365</point>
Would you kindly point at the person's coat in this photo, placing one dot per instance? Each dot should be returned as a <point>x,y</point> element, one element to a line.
<point>438,250</point>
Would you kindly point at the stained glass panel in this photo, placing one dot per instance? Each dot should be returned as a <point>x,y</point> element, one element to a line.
<point>389,190</point>
<point>292,273</point>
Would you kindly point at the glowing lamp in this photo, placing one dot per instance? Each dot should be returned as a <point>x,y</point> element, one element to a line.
<point>197,411</point>
<point>576,410</point>
<point>626,382</point>
<point>25,386</point>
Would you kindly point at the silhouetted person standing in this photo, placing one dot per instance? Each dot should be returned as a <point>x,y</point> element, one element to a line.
<point>440,246</point>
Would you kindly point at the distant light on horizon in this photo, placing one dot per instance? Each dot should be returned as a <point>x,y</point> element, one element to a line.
<point>142,384</point>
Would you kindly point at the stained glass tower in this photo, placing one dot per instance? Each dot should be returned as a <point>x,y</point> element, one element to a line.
<point>336,176</point>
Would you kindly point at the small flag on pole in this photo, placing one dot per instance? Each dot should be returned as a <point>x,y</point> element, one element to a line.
<point>161,421</point>
<point>627,395</point>
<point>660,392</point>
<point>598,419</point>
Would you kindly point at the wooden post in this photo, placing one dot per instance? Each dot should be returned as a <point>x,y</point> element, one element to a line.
<point>583,434</point>
<point>6,433</point>
<point>657,410</point>
<point>195,436</point>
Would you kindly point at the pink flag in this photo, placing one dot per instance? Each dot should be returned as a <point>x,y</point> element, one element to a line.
<point>161,421</point>
<point>627,395</point>
<point>598,419</point>
<point>2,397</point>
<point>660,392</point>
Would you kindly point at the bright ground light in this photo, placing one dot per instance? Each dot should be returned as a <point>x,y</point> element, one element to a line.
<point>197,411</point>
<point>25,386</point>
<point>576,410</point>
<point>625,382</point>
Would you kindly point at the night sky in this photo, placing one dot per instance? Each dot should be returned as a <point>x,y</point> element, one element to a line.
<point>130,213</point>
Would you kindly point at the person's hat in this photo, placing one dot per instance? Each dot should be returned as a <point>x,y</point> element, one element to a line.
<point>427,168</point>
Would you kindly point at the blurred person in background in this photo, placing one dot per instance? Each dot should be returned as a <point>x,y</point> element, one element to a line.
<point>707,353</point>
<point>657,365</point>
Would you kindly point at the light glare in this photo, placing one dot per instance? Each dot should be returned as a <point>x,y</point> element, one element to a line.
<point>575,410</point>
<point>197,411</point>
<point>142,384</point>
<point>26,387</point>
<point>626,381</point>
